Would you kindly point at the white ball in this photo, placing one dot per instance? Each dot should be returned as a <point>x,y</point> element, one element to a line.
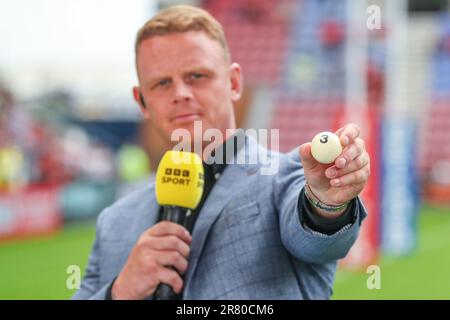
<point>326,147</point>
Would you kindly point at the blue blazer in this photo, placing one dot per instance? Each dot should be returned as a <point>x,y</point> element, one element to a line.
<point>248,242</point>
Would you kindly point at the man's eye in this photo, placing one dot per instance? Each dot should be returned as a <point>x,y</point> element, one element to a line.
<point>197,76</point>
<point>162,83</point>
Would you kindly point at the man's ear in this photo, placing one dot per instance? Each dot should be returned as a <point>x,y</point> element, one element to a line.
<point>237,81</point>
<point>139,98</point>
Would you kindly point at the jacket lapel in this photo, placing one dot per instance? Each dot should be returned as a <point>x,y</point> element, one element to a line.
<point>233,178</point>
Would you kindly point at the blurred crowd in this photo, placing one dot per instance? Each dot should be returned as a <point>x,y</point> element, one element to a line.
<point>41,145</point>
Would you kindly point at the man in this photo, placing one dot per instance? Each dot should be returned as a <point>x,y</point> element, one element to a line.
<point>253,236</point>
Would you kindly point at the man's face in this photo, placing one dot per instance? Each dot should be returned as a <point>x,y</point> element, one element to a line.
<point>185,77</point>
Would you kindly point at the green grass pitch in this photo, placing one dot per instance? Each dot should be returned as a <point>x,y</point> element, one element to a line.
<point>36,269</point>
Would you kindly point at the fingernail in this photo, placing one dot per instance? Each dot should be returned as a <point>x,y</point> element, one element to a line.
<point>335,182</point>
<point>331,173</point>
<point>346,140</point>
<point>342,162</point>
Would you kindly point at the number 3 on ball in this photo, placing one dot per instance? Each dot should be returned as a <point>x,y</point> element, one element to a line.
<point>326,147</point>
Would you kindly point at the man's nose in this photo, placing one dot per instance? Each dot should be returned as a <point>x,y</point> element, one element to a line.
<point>182,92</point>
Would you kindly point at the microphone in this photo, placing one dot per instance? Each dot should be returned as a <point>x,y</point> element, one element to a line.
<point>179,188</point>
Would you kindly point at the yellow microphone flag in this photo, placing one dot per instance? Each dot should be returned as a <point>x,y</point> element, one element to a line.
<point>179,179</point>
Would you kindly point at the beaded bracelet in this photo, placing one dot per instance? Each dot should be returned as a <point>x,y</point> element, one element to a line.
<point>316,203</point>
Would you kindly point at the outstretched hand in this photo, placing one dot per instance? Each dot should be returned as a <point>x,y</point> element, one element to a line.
<point>341,181</point>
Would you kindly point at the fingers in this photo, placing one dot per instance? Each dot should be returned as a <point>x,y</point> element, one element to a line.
<point>172,259</point>
<point>348,133</point>
<point>167,228</point>
<point>353,178</point>
<point>350,152</point>
<point>168,243</point>
<point>171,278</point>
<point>357,164</point>
<point>159,255</point>
<point>308,161</point>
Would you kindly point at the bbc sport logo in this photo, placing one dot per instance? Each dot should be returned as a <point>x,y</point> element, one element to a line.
<point>176,172</point>
<point>179,177</point>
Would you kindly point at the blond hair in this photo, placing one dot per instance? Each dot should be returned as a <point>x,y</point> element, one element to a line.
<point>182,18</point>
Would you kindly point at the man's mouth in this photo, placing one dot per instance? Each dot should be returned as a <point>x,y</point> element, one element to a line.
<point>186,117</point>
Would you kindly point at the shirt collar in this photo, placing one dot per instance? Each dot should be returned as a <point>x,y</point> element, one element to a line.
<point>224,154</point>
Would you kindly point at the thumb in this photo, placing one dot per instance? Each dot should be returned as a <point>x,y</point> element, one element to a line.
<point>308,160</point>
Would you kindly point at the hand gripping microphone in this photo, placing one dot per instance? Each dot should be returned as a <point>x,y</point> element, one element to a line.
<point>179,188</point>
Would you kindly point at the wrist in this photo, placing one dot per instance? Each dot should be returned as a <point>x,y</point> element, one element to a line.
<point>325,208</point>
<point>114,291</point>
<point>327,214</point>
<point>118,292</point>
